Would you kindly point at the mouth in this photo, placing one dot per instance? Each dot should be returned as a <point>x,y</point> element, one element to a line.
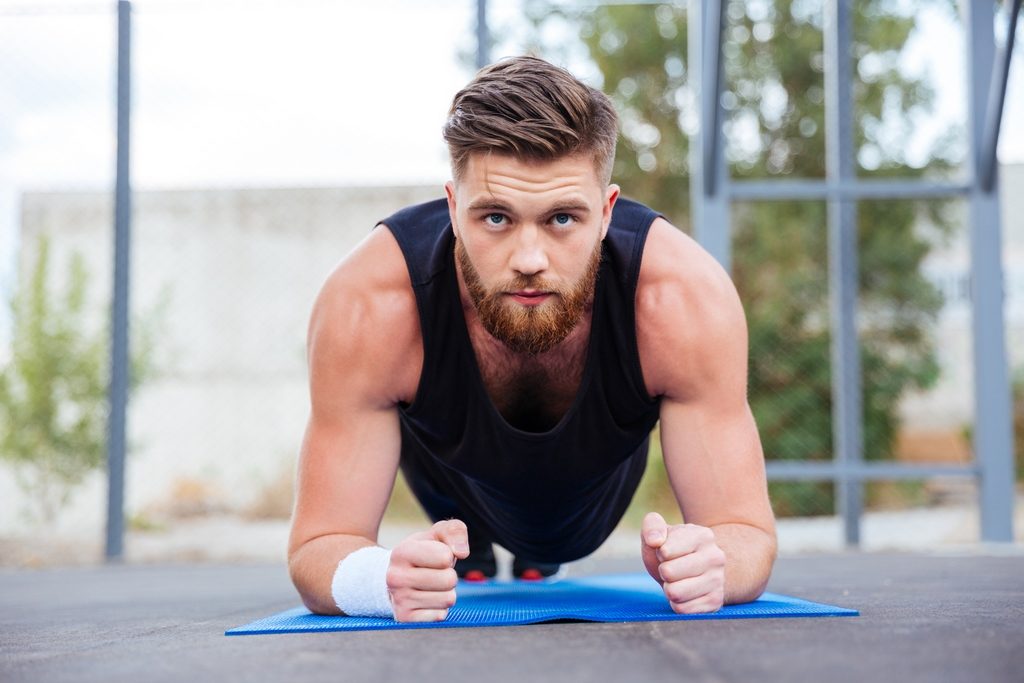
<point>529,297</point>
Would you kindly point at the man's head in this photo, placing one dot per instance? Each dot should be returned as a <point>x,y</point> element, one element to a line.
<point>531,152</point>
<point>532,110</point>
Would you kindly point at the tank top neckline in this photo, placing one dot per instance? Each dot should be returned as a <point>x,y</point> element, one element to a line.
<point>477,375</point>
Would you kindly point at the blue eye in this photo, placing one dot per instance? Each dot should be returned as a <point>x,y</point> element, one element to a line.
<point>563,219</point>
<point>494,218</point>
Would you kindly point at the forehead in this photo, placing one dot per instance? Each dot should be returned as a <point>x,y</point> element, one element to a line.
<point>508,178</point>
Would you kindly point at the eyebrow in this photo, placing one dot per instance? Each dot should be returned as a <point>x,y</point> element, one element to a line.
<point>489,204</point>
<point>492,204</point>
<point>578,207</point>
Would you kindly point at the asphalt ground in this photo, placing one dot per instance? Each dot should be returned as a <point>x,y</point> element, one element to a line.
<point>923,618</point>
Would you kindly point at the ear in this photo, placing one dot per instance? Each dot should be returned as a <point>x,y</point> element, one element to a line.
<point>610,197</point>
<point>449,190</point>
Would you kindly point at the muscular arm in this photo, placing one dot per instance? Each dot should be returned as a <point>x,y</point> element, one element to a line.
<point>692,336</point>
<point>349,456</point>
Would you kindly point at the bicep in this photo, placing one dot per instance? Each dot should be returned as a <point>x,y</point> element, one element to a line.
<point>710,441</point>
<point>693,338</point>
<point>350,451</point>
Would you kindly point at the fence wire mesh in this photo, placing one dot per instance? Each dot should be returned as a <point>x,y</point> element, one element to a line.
<point>268,139</point>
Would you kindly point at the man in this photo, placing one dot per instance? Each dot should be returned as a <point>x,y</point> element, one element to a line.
<point>511,349</point>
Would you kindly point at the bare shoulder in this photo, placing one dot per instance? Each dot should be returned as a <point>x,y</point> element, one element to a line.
<point>691,329</point>
<point>364,335</point>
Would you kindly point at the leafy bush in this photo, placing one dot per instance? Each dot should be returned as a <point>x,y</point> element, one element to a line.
<point>53,389</point>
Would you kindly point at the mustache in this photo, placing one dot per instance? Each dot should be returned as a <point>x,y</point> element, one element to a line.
<point>533,282</point>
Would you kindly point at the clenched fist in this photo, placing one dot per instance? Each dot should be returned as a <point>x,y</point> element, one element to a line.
<point>421,577</point>
<point>686,561</point>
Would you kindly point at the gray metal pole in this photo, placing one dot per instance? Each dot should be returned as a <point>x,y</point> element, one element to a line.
<point>993,435</point>
<point>119,365</point>
<point>483,35</point>
<point>811,189</point>
<point>996,98</point>
<point>847,409</point>
<point>712,105</point>
<point>709,210</point>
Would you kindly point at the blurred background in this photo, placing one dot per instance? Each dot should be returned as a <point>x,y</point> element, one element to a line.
<point>269,136</point>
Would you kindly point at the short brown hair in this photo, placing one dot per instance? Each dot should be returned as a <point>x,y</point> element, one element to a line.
<point>532,110</point>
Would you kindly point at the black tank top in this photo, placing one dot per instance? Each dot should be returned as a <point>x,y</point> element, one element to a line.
<point>553,495</point>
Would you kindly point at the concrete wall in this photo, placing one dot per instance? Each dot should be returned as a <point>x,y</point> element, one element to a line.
<point>240,270</point>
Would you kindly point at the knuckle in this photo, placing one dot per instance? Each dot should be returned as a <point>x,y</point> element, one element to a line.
<point>395,577</point>
<point>433,554</point>
<point>675,593</point>
<point>399,598</point>
<point>451,579</point>
<point>417,551</point>
<point>400,553</point>
<point>444,555</point>
<point>449,527</point>
<point>449,599</point>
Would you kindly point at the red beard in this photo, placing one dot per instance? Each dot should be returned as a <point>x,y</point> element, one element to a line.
<point>530,329</point>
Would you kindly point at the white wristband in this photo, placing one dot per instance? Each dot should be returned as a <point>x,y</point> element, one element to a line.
<point>360,584</point>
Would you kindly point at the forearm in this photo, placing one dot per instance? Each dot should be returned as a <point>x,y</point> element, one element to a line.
<point>312,567</point>
<point>749,556</point>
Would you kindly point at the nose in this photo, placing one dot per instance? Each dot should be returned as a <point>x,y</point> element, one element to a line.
<point>529,256</point>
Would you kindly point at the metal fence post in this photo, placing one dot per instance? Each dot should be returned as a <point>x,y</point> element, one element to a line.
<point>119,354</point>
<point>709,209</point>
<point>993,438</point>
<point>987,161</point>
<point>847,409</point>
<point>483,35</point>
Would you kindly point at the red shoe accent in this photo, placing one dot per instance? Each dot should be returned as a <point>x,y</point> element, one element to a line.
<point>475,575</point>
<point>531,575</point>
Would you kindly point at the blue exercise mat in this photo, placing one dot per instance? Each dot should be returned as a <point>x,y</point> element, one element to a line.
<point>626,597</point>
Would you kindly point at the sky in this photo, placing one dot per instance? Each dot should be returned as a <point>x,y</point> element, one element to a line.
<point>300,93</point>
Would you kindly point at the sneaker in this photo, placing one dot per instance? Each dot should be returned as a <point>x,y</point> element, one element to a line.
<point>480,566</point>
<point>530,570</point>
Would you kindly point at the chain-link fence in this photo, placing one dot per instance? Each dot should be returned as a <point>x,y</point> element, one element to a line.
<point>269,137</point>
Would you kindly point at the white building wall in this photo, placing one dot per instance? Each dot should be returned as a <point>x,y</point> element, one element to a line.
<point>241,269</point>
<point>949,407</point>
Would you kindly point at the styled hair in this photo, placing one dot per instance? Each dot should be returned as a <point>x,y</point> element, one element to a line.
<point>530,109</point>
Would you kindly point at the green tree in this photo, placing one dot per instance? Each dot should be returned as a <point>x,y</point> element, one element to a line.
<point>774,101</point>
<point>53,388</point>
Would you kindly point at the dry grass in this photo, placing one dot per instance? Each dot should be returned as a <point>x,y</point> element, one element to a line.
<point>275,499</point>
